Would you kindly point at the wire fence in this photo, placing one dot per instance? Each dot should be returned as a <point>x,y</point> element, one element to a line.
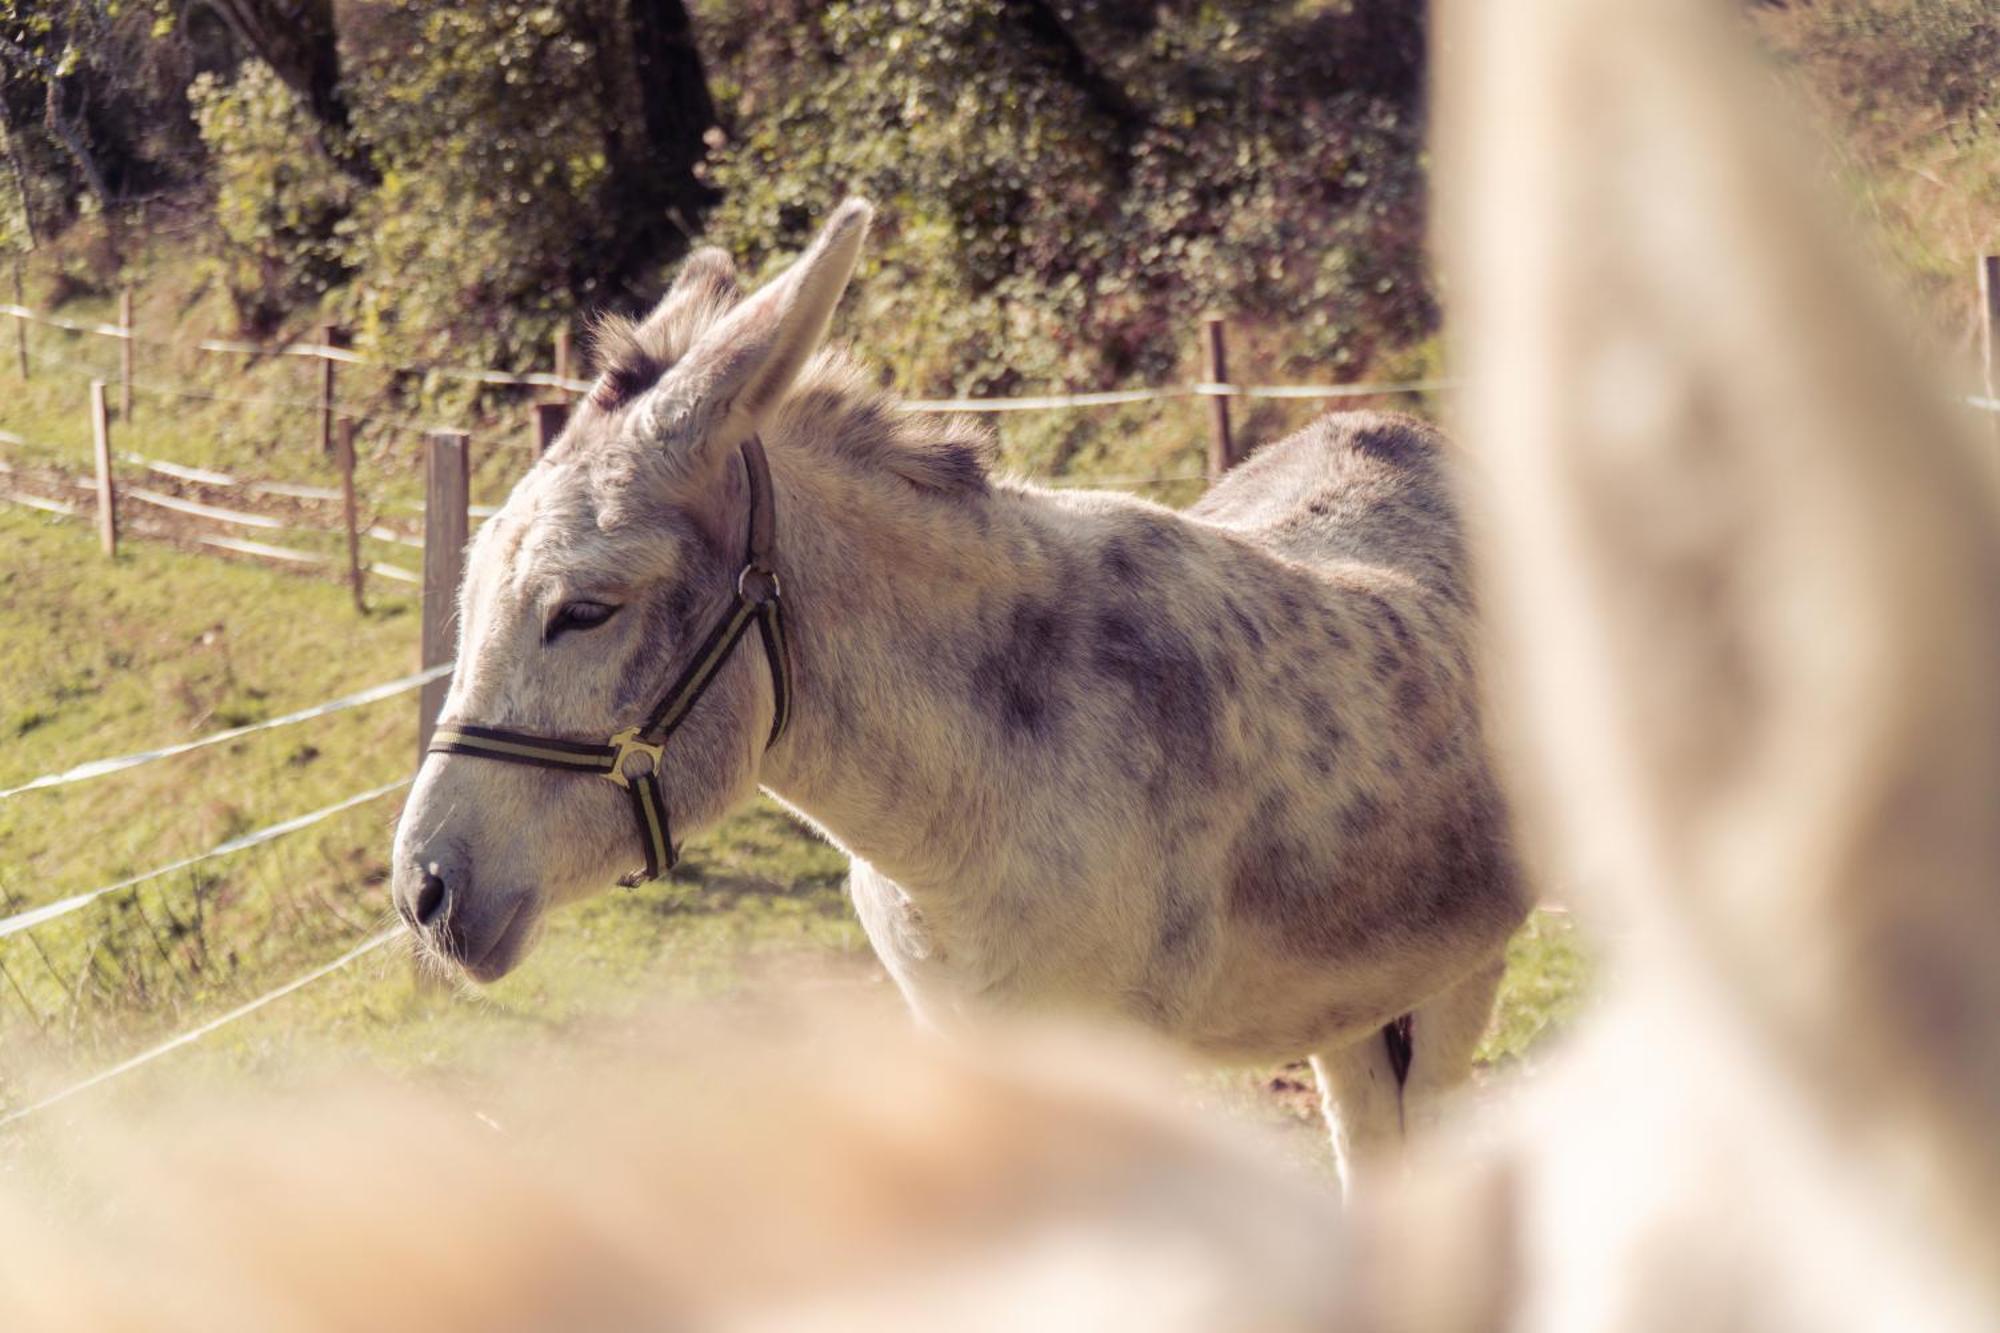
<point>325,352</point>
<point>195,1034</point>
<point>25,921</point>
<point>36,916</point>
<point>97,768</point>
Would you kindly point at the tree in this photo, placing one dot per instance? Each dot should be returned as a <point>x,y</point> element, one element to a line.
<point>300,42</point>
<point>658,115</point>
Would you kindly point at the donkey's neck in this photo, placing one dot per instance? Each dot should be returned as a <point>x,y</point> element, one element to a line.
<point>891,595</point>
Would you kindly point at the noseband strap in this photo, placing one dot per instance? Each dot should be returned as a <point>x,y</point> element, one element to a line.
<point>631,758</point>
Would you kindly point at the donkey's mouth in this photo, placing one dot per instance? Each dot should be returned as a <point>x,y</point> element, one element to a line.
<point>509,946</point>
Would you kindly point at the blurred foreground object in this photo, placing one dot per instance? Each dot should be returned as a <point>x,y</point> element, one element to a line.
<point>760,1176</point>
<point>1741,562</point>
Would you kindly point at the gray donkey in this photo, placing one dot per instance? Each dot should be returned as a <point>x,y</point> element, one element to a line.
<point>1220,772</point>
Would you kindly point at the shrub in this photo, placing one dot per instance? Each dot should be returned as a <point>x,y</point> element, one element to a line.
<point>279,202</point>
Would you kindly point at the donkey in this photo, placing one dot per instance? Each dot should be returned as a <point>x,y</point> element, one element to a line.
<point>1220,772</point>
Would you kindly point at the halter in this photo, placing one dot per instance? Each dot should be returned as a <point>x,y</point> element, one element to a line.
<point>756,599</point>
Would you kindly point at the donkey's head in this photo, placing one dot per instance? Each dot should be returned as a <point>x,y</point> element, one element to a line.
<point>587,595</point>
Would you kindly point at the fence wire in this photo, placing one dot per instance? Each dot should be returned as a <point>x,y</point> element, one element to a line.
<point>196,1033</point>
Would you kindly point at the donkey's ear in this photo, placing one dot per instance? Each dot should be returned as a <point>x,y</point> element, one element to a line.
<point>703,292</point>
<point>740,369</point>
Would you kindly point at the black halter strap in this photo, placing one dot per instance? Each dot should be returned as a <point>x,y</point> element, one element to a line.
<point>631,758</point>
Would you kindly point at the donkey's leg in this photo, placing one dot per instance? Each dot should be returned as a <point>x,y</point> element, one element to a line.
<point>1394,1082</point>
<point>1444,1032</point>
<point>1363,1101</point>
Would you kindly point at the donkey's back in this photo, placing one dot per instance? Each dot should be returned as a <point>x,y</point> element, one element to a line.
<point>1364,488</point>
<point>1244,740</point>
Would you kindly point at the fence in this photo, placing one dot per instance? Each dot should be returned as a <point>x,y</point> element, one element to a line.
<point>447,513</point>
<point>28,919</point>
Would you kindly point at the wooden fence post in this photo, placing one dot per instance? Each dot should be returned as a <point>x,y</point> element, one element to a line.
<point>345,445</point>
<point>549,421</point>
<point>125,356</point>
<point>1989,325</point>
<point>327,333</point>
<point>562,356</point>
<point>107,499</point>
<point>446,526</point>
<point>1221,450</point>
<point>20,325</point>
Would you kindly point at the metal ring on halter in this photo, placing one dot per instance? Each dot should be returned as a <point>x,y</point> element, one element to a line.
<point>769,575</point>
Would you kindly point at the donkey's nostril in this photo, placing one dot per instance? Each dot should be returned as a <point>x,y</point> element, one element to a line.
<point>430,899</point>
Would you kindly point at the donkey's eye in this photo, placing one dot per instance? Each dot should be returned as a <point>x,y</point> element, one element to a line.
<point>577,615</point>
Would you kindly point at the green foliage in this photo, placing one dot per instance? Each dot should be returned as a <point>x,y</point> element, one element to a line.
<point>279,202</point>
<point>1890,55</point>
<point>490,140</point>
<point>1061,201</point>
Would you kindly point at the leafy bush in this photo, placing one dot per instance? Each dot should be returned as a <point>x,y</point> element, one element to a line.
<point>487,128</point>
<point>1067,188</point>
<point>279,202</point>
<point>1891,54</point>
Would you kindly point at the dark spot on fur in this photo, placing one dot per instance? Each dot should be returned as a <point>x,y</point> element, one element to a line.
<point>1163,539</point>
<point>1413,693</point>
<point>957,466</point>
<point>1118,561</point>
<point>1245,626</point>
<point>1274,881</point>
<point>1182,920</point>
<point>1361,816</point>
<point>1170,687</point>
<point>1334,631</point>
<point>1392,441</point>
<point>1018,679</point>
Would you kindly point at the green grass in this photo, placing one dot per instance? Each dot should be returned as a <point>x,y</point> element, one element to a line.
<point>107,656</point>
<point>104,657</point>
<point>161,645</point>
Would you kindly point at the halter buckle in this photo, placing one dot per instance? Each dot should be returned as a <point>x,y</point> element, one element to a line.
<point>629,744</point>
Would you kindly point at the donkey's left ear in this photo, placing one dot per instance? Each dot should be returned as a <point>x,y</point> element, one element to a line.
<point>737,372</point>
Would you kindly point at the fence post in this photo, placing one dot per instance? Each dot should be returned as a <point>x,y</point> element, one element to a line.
<point>327,332</point>
<point>549,420</point>
<point>446,525</point>
<point>345,443</point>
<point>125,356</point>
<point>107,499</point>
<point>20,325</point>
<point>562,356</point>
<point>1221,451</point>
<point>1989,326</point>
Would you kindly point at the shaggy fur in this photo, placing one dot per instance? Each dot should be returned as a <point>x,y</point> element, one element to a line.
<point>1220,772</point>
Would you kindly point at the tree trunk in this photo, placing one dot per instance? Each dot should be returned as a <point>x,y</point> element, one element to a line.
<point>20,170</point>
<point>68,130</point>
<point>1052,44</point>
<point>676,111</point>
<point>299,41</point>
<point>658,113</point>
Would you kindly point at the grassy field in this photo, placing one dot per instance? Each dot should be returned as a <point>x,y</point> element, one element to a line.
<point>161,645</point>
